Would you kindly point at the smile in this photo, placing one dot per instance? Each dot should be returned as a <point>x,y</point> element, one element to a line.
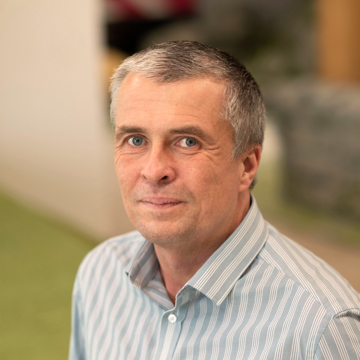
<point>160,203</point>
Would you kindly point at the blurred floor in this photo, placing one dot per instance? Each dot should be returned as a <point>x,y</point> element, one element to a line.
<point>39,259</point>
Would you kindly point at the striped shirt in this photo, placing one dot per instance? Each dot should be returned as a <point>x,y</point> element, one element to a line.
<point>259,296</point>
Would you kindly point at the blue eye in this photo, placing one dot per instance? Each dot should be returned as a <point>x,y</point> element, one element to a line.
<point>188,142</point>
<point>136,141</point>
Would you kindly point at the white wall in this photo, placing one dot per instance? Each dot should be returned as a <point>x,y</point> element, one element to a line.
<point>55,147</point>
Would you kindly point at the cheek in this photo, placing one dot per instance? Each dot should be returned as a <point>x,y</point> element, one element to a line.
<point>216,185</point>
<point>204,182</point>
<point>125,172</point>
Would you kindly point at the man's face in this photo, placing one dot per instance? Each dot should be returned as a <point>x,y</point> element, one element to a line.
<point>173,159</point>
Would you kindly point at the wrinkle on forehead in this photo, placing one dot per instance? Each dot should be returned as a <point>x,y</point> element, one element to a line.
<point>181,95</point>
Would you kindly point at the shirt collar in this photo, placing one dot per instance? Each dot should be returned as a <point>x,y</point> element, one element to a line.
<point>143,266</point>
<point>216,278</point>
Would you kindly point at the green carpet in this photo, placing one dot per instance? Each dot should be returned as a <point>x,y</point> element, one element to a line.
<point>38,263</point>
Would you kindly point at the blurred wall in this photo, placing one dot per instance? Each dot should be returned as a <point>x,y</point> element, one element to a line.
<point>55,146</point>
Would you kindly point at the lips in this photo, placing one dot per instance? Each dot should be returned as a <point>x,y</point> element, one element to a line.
<point>160,201</point>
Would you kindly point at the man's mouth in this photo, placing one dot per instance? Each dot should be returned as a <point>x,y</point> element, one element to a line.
<point>160,202</point>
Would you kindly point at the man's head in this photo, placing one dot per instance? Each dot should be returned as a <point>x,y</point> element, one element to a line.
<point>179,60</point>
<point>174,146</point>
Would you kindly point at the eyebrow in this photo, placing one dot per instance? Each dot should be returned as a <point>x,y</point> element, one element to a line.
<point>123,130</point>
<point>193,130</point>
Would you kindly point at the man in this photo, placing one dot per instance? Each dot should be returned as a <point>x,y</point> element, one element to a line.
<point>204,277</point>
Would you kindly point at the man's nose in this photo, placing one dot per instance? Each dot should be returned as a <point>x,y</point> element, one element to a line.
<point>159,166</point>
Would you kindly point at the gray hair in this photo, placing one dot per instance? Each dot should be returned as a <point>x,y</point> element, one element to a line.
<point>179,60</point>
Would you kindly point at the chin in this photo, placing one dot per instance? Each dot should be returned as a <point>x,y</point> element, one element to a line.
<point>157,236</point>
<point>165,234</point>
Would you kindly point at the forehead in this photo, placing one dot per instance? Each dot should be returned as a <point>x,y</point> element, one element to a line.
<point>197,97</point>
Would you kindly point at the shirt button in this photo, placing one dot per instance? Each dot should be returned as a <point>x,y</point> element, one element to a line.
<point>172,318</point>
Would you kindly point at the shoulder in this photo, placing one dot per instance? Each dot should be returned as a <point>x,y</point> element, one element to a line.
<point>318,280</point>
<point>117,252</point>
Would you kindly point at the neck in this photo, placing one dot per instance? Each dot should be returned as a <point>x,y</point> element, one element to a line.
<point>178,265</point>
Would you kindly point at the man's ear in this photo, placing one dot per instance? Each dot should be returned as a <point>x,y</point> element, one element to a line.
<point>250,161</point>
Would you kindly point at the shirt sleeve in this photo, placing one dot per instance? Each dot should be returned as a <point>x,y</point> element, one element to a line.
<point>77,340</point>
<point>341,339</point>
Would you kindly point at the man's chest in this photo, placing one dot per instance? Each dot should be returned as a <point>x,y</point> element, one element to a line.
<point>131,325</point>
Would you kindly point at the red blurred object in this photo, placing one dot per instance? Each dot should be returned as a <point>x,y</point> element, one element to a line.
<point>149,9</point>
